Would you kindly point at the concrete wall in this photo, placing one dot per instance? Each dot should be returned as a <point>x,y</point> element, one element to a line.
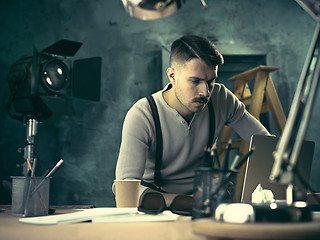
<point>131,69</point>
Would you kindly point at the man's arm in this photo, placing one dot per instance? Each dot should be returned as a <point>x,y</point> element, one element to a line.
<point>247,126</point>
<point>236,115</point>
<point>134,144</point>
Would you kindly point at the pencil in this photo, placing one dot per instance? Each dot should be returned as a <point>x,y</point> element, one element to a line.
<point>29,167</point>
<point>29,164</point>
<point>244,159</point>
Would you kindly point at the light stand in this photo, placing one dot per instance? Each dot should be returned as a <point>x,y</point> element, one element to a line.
<point>31,132</point>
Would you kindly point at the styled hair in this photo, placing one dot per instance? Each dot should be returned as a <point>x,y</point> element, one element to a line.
<point>191,46</point>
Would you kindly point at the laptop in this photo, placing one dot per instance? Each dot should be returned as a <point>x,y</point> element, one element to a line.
<point>260,163</point>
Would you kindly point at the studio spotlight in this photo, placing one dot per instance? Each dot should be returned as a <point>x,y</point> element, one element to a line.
<point>46,82</point>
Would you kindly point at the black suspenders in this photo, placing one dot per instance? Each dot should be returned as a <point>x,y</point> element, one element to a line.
<point>157,169</point>
<point>159,148</point>
<point>212,123</point>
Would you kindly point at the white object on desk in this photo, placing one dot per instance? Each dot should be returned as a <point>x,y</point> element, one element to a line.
<point>261,195</point>
<point>101,215</point>
<point>235,213</point>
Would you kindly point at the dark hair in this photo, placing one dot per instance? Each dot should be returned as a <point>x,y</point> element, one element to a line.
<point>191,46</point>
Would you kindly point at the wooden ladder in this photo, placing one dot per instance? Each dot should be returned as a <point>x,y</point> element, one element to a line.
<point>255,104</point>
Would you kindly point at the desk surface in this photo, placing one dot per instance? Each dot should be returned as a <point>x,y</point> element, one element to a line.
<point>10,228</point>
<point>278,231</point>
<point>184,229</point>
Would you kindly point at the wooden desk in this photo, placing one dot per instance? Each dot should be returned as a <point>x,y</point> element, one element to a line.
<point>221,230</point>
<point>184,229</point>
<point>11,229</point>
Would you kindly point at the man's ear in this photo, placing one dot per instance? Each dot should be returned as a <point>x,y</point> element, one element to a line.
<point>171,74</point>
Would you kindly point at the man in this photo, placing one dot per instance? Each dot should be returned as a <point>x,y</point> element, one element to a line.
<point>184,119</point>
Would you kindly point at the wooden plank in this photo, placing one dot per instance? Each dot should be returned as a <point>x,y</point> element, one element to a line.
<point>258,93</point>
<point>241,89</point>
<point>265,106</point>
<point>275,105</point>
<point>251,73</point>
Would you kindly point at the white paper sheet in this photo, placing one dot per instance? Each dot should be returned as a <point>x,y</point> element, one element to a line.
<point>101,215</point>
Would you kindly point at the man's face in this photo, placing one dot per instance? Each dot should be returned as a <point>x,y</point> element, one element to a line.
<point>193,84</point>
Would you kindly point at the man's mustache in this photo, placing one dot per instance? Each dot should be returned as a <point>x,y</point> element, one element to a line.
<point>201,100</point>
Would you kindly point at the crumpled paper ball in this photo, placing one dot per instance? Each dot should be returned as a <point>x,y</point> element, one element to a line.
<point>261,195</point>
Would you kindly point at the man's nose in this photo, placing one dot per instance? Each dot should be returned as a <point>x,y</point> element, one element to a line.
<point>204,89</point>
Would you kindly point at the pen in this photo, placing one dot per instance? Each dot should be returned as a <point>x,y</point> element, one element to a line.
<point>207,158</point>
<point>225,163</point>
<point>33,167</point>
<point>244,159</point>
<point>45,173</point>
<point>55,168</point>
<point>216,155</point>
<point>48,175</point>
<point>212,157</point>
<point>235,161</point>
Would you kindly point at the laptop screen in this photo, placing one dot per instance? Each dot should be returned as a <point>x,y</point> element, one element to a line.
<point>260,163</point>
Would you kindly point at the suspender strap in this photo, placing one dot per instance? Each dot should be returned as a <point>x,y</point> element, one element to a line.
<point>157,173</point>
<point>212,123</point>
<point>159,148</point>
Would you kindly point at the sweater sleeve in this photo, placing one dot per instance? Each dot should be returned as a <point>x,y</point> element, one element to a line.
<point>247,126</point>
<point>236,116</point>
<point>135,142</point>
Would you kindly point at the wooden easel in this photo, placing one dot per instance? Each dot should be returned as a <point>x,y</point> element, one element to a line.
<point>263,87</point>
